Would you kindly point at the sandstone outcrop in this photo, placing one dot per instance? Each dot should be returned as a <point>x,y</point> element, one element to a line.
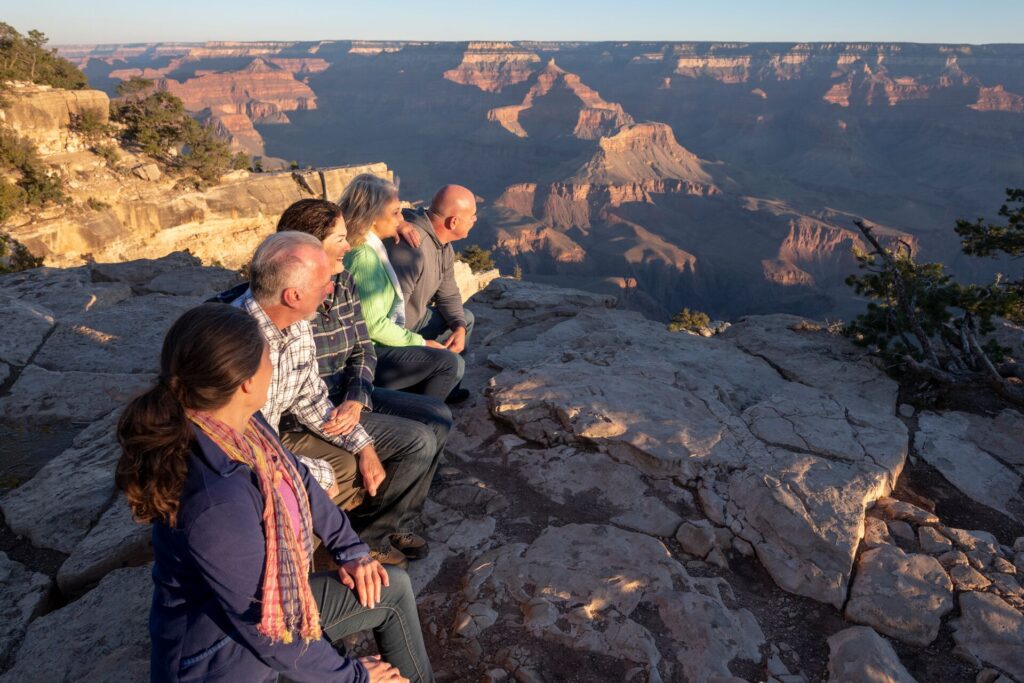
<point>223,224</point>
<point>42,114</point>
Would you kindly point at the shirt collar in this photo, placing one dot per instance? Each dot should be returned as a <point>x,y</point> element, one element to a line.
<point>270,331</point>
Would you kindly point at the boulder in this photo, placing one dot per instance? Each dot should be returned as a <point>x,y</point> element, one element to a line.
<point>25,327</point>
<point>102,637</point>
<point>990,631</point>
<point>57,507</point>
<point>116,541</point>
<point>696,538</point>
<point>876,533</point>
<point>947,442</point>
<point>967,578</point>
<point>64,291</point>
<point>23,594</point>
<point>903,596</point>
<point>931,541</point>
<point>890,508</point>
<point>859,655</point>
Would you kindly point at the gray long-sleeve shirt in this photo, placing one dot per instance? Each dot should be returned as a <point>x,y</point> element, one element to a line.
<point>426,274</point>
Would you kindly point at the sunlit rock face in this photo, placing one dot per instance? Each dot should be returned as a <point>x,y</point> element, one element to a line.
<point>494,66</point>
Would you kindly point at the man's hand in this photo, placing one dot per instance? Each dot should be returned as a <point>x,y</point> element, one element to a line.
<point>382,672</point>
<point>457,341</point>
<point>408,232</point>
<point>371,469</point>
<point>430,343</point>
<point>343,419</point>
<point>364,576</point>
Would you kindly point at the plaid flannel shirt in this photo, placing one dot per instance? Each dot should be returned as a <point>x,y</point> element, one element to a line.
<point>296,387</point>
<point>344,350</point>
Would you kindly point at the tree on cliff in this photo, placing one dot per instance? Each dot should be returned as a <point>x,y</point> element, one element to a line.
<point>925,323</point>
<point>477,258</point>
<point>25,58</point>
<point>157,124</point>
<point>33,184</point>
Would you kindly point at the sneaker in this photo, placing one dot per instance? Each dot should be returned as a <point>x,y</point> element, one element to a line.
<point>457,396</point>
<point>390,555</point>
<point>410,545</point>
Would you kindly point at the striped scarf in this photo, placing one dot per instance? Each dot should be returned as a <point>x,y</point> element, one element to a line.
<point>288,604</point>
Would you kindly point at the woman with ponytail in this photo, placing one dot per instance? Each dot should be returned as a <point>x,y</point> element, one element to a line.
<point>234,515</point>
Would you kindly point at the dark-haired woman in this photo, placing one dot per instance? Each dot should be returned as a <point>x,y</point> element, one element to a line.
<point>234,515</point>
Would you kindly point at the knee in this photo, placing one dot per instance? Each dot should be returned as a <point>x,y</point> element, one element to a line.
<point>470,320</point>
<point>399,585</point>
<point>421,440</point>
<point>460,365</point>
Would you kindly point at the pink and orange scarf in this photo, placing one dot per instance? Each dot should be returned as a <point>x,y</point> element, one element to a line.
<point>288,607</point>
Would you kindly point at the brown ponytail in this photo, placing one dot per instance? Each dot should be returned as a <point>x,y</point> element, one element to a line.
<point>207,354</point>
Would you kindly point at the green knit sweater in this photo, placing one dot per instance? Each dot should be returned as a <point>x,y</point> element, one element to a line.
<point>377,296</point>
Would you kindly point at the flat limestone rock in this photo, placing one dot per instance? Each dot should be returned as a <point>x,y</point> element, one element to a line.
<point>116,541</point>
<point>22,594</point>
<point>103,637</point>
<point>949,443</point>
<point>903,596</point>
<point>579,585</point>
<point>64,291</point>
<point>57,507</point>
<point>569,476</point>
<point>45,396</point>
<point>140,271</point>
<point>25,327</point>
<point>201,282</point>
<point>990,631</point>
<point>859,655</point>
<point>797,463</point>
<point>123,338</point>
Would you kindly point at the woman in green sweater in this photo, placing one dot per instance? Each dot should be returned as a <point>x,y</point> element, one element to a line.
<point>405,360</point>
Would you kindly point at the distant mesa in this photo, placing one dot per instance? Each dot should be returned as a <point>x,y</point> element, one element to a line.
<point>998,99</point>
<point>493,66</point>
<point>560,104</point>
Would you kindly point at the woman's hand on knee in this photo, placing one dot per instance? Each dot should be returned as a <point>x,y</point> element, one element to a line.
<point>365,576</point>
<point>380,670</point>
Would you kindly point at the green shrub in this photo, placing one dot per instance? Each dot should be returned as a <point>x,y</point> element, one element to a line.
<point>689,321</point>
<point>38,186</point>
<point>478,259</point>
<point>89,124</point>
<point>96,204</point>
<point>241,162</point>
<point>12,198</point>
<point>14,256</point>
<point>107,152</point>
<point>25,58</point>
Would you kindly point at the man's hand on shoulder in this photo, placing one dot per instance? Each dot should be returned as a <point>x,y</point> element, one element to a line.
<point>408,233</point>
<point>457,341</point>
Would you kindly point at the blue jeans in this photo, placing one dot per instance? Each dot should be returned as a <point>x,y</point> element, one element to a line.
<point>394,621</point>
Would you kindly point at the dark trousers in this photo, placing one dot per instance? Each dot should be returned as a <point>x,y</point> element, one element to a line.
<point>394,621</point>
<point>418,369</point>
<point>409,434</point>
<point>434,327</point>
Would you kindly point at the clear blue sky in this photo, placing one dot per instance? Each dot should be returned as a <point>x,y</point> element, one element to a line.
<point>121,21</point>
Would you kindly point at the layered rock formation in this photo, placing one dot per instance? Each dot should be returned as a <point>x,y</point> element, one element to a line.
<point>493,66</point>
<point>543,111</point>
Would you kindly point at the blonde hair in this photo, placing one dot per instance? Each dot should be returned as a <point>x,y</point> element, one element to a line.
<point>362,203</point>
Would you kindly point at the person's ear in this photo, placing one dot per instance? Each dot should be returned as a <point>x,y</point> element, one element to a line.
<point>290,297</point>
<point>246,385</point>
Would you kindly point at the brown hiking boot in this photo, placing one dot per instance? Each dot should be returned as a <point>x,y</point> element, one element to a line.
<point>411,545</point>
<point>389,555</point>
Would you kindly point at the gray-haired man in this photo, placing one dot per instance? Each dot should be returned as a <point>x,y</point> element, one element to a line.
<point>393,458</point>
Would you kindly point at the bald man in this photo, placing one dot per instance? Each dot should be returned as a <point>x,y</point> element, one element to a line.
<point>433,304</point>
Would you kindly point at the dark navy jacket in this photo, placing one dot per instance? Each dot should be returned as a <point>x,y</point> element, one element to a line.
<point>208,577</point>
